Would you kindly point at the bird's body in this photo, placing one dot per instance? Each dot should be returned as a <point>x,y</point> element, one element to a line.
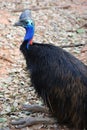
<point>59,78</point>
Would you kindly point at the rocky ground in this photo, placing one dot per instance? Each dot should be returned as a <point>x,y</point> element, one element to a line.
<point>61,22</point>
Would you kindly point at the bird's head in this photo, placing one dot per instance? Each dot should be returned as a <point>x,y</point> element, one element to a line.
<point>26,22</point>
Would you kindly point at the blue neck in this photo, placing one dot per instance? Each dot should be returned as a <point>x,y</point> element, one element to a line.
<point>29,33</point>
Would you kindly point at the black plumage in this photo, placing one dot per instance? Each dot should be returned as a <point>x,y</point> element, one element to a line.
<point>61,80</point>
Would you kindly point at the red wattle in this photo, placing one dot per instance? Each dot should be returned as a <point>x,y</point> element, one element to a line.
<point>31,42</point>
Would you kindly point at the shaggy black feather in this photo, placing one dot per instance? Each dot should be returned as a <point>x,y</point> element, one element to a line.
<point>61,80</point>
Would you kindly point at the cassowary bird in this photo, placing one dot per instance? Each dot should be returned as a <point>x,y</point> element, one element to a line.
<point>58,77</point>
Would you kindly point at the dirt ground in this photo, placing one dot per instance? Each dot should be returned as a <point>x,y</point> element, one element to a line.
<point>61,22</point>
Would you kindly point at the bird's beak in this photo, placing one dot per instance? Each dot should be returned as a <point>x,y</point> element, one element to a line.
<point>19,23</point>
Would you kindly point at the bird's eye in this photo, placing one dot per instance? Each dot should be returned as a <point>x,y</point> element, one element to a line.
<point>31,23</point>
<point>28,22</point>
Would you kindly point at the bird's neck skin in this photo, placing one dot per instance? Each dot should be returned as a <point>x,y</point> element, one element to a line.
<point>29,35</point>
